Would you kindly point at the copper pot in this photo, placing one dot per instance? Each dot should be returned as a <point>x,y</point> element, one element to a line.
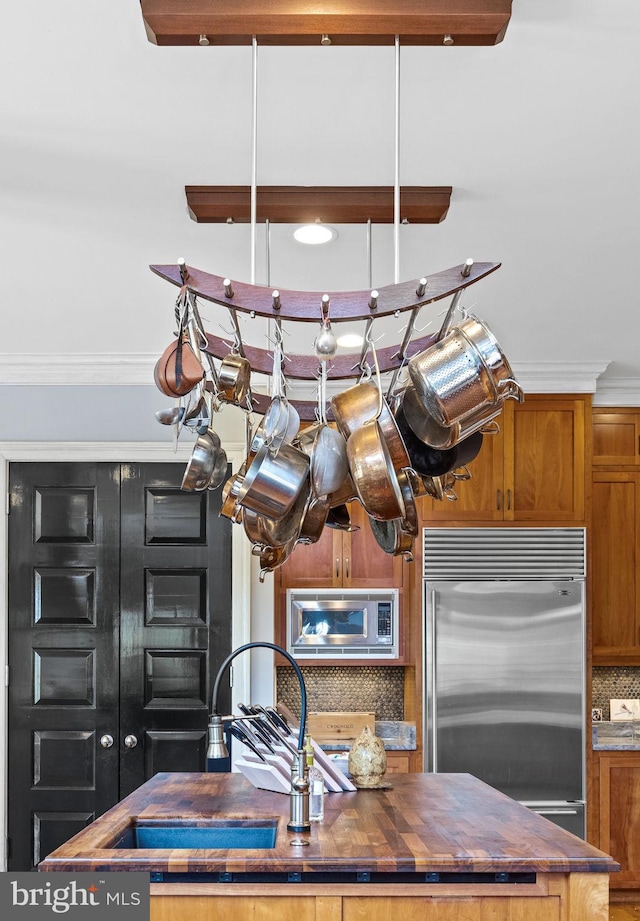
<point>373,473</point>
<point>396,537</point>
<point>364,403</point>
<point>234,378</point>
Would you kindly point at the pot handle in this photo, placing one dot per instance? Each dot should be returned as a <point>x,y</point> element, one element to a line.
<point>509,388</point>
<point>491,428</point>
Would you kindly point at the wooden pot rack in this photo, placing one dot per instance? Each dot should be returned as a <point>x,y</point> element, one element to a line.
<point>309,306</point>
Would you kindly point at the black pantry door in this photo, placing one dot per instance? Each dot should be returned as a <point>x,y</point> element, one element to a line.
<point>119,616</point>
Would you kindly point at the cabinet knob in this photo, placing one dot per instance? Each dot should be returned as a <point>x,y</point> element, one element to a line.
<point>130,741</point>
<point>106,740</point>
<point>337,567</point>
<point>499,499</point>
<point>346,567</point>
<point>508,500</point>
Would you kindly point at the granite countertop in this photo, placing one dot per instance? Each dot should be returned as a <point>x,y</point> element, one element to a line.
<point>397,735</point>
<point>623,735</point>
<point>422,822</point>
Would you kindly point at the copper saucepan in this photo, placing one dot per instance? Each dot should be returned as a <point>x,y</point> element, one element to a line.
<point>234,378</point>
<point>396,537</point>
<point>363,403</point>
<point>373,473</point>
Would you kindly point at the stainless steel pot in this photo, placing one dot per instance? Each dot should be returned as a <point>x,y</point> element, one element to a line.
<point>202,461</point>
<point>279,424</point>
<point>440,436</point>
<point>463,372</point>
<point>273,481</point>
<point>451,379</point>
<point>267,532</point>
<point>327,451</point>
<point>480,336</point>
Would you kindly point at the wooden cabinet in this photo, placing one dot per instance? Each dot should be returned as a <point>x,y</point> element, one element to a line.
<point>619,801</point>
<point>533,470</point>
<point>615,546</point>
<point>398,762</point>
<point>616,437</point>
<point>343,558</point>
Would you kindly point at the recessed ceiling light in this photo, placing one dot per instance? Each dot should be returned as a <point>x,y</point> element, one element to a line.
<point>313,234</point>
<point>350,340</point>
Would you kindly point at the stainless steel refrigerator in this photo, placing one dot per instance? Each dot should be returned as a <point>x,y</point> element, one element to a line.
<point>504,654</point>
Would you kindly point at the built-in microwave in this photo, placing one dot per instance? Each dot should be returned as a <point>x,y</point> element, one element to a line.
<point>353,623</point>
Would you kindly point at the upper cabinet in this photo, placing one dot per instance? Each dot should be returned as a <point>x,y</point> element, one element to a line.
<point>616,437</point>
<point>615,536</point>
<point>615,547</point>
<point>533,470</point>
<point>342,559</point>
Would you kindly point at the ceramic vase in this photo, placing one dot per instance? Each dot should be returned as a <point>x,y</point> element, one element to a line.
<point>367,760</point>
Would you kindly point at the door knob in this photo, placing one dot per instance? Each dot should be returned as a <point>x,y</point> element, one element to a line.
<point>106,740</point>
<point>130,741</point>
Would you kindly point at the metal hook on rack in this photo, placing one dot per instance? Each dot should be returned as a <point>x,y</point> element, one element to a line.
<point>325,344</point>
<point>237,337</point>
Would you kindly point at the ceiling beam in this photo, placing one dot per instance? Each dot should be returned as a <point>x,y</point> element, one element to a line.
<point>338,22</point>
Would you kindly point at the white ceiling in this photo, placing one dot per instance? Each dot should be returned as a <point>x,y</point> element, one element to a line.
<point>539,137</point>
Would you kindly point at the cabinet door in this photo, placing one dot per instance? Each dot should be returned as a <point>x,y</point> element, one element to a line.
<point>616,437</point>
<point>482,497</point>
<point>545,461</point>
<point>615,541</point>
<point>620,815</point>
<point>316,565</point>
<point>364,564</point>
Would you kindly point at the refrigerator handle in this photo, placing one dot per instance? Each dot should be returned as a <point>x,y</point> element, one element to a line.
<point>433,740</point>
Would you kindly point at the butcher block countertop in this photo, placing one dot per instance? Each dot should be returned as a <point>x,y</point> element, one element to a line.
<point>433,823</point>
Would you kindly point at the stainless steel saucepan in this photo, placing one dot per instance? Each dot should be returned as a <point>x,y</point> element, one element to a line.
<point>273,481</point>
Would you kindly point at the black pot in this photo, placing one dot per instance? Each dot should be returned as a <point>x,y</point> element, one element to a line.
<point>428,461</point>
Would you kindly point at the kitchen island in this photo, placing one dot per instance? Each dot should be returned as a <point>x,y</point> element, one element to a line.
<point>429,846</point>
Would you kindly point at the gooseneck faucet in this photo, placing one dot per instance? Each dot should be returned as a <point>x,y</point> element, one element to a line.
<point>299,794</point>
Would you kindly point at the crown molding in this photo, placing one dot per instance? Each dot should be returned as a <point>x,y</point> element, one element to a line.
<point>621,391</point>
<point>135,369</point>
<point>559,376</point>
<point>100,369</point>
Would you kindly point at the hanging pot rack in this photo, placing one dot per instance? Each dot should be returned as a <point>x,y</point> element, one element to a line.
<point>306,306</point>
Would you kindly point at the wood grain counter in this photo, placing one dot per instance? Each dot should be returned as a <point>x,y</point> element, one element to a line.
<point>442,846</point>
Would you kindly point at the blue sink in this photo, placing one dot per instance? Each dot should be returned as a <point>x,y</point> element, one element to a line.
<point>225,834</point>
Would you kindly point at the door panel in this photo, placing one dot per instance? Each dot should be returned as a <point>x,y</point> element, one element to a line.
<point>63,620</point>
<point>120,613</point>
<point>175,620</point>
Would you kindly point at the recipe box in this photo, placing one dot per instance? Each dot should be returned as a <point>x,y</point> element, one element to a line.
<point>338,725</point>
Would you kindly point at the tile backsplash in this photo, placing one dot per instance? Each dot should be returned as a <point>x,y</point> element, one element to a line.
<point>613,683</point>
<point>365,688</point>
